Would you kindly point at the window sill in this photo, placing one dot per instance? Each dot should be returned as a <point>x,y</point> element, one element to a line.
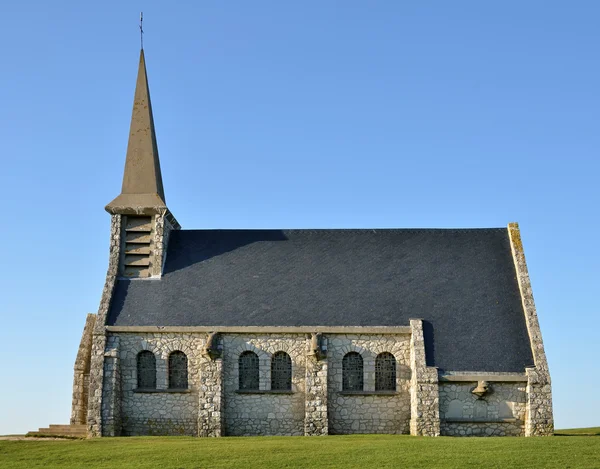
<point>169,391</point>
<point>263,391</point>
<point>369,393</point>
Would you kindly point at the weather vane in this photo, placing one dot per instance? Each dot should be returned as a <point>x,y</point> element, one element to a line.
<point>141,29</point>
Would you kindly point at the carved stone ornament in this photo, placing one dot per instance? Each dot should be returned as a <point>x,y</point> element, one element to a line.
<point>213,348</point>
<point>318,349</point>
<point>482,388</point>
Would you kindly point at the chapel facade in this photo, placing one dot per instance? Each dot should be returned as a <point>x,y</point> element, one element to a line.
<point>304,332</point>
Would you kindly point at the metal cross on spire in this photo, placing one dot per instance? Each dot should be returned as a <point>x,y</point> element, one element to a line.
<point>141,29</point>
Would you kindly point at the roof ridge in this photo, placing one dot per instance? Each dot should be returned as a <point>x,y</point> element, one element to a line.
<point>343,230</point>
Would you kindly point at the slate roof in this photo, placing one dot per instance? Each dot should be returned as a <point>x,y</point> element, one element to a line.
<point>462,282</point>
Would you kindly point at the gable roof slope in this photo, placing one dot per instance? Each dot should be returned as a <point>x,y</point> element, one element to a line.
<point>462,282</point>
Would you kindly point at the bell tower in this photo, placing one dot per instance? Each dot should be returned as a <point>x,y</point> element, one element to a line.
<point>145,220</point>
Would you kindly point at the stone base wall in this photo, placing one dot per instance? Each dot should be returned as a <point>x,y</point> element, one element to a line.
<point>481,429</point>
<point>368,412</point>
<point>500,412</point>
<point>263,413</point>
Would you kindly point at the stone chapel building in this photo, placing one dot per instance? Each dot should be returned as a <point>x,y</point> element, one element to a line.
<point>304,332</point>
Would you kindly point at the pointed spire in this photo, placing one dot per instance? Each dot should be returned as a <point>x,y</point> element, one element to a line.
<point>142,190</point>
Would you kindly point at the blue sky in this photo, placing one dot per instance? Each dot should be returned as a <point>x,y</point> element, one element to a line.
<point>297,114</point>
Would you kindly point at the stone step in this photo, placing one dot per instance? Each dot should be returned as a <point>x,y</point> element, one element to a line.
<point>61,430</point>
<point>69,427</point>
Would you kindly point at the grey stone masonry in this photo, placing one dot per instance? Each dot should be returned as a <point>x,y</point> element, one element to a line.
<point>163,410</point>
<point>539,420</point>
<point>501,412</point>
<point>94,413</point>
<point>81,374</point>
<point>111,390</point>
<point>210,398</point>
<point>264,411</point>
<point>368,410</point>
<point>315,404</point>
<point>212,404</point>
<point>164,223</point>
<point>424,392</point>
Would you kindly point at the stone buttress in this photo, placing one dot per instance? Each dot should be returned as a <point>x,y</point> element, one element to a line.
<point>539,416</point>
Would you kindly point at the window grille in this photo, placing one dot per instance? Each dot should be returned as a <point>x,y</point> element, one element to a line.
<point>385,372</point>
<point>178,371</point>
<point>281,372</point>
<point>248,371</point>
<point>352,372</point>
<point>146,370</point>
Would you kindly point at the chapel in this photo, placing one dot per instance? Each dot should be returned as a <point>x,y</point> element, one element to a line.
<point>307,331</point>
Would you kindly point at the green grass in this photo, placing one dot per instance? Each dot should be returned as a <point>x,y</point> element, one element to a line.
<point>592,431</point>
<point>354,451</point>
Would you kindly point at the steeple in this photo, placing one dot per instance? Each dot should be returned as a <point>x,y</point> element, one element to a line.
<point>140,214</point>
<point>142,191</point>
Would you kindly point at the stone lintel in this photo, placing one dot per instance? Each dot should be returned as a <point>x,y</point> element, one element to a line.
<point>263,329</point>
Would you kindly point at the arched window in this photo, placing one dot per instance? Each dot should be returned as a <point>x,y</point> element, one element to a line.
<point>281,372</point>
<point>352,372</point>
<point>248,364</point>
<point>178,371</point>
<point>385,372</point>
<point>146,370</point>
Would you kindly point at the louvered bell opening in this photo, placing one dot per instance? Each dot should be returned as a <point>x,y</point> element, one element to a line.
<point>138,247</point>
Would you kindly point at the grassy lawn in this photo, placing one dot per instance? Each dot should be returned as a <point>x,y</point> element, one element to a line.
<point>591,431</point>
<point>354,451</point>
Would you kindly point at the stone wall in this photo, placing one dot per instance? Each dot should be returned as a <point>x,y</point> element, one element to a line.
<point>316,421</point>
<point>111,389</point>
<point>94,411</point>
<point>501,412</point>
<point>424,393</point>
<point>213,404</point>
<point>164,223</point>
<point>210,398</point>
<point>81,374</point>
<point>368,411</point>
<point>264,412</point>
<point>163,412</point>
<point>540,418</point>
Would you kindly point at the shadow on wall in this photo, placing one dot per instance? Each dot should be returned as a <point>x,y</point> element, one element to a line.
<point>428,337</point>
<point>189,247</point>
